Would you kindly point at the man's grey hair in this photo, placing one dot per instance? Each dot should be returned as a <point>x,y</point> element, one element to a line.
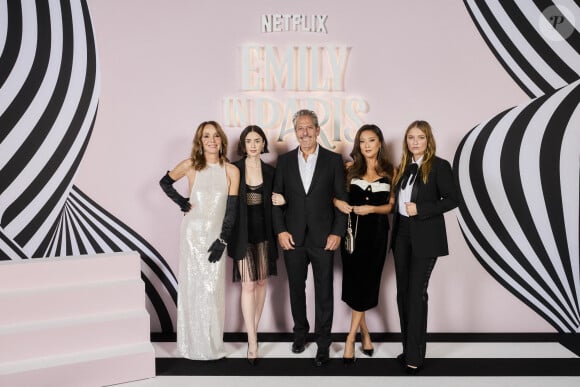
<point>305,112</point>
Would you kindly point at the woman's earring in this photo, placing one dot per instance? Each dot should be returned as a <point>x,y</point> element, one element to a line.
<point>221,151</point>
<point>200,151</point>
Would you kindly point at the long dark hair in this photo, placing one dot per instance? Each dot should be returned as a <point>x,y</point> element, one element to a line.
<point>359,166</point>
<point>244,134</point>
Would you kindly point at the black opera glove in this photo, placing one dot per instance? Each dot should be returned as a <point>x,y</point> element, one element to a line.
<point>166,184</point>
<point>216,250</point>
<point>218,246</point>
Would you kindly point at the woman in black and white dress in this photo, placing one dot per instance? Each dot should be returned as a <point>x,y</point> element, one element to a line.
<point>369,178</point>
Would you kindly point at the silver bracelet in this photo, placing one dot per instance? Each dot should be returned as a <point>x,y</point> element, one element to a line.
<point>223,242</point>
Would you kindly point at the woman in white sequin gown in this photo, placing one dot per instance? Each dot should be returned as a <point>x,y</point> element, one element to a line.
<point>213,185</point>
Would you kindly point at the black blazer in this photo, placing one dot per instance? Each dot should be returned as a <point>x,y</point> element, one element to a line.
<point>310,216</point>
<point>439,195</point>
<point>238,242</point>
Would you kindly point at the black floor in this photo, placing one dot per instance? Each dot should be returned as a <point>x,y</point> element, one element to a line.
<point>386,366</point>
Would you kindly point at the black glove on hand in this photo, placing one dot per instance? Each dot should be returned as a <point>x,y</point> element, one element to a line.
<point>219,245</point>
<point>216,250</point>
<point>166,184</point>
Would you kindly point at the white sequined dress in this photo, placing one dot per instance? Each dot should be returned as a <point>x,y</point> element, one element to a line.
<point>201,289</point>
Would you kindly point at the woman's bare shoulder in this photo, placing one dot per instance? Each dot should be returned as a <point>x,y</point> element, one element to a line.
<point>232,169</point>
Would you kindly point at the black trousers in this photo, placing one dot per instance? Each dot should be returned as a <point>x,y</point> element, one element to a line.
<point>412,274</point>
<point>297,261</point>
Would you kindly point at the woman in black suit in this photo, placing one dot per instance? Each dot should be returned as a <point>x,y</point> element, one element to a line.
<point>252,245</point>
<point>425,190</point>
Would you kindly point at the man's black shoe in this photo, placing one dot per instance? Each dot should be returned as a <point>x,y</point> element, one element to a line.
<point>412,370</point>
<point>321,358</point>
<point>402,360</point>
<point>298,346</point>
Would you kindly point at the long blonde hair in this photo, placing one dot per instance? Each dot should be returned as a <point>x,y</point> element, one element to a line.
<point>428,157</point>
<point>197,156</point>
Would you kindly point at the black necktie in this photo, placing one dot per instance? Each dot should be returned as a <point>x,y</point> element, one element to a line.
<point>409,175</point>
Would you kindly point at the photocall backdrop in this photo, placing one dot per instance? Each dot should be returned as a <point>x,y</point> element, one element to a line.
<point>99,98</point>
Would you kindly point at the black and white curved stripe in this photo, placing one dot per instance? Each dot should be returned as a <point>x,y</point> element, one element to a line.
<point>512,31</point>
<point>89,229</point>
<point>49,89</point>
<point>520,187</point>
<point>49,100</point>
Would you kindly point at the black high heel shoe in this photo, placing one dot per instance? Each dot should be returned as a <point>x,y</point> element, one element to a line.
<point>367,351</point>
<point>252,360</point>
<point>348,360</point>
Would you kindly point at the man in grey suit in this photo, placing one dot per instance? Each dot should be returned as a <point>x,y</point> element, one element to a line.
<point>309,227</point>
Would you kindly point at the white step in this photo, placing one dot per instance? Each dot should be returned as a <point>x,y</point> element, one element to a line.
<point>61,302</point>
<point>89,368</point>
<point>61,271</point>
<point>74,321</point>
<point>58,337</point>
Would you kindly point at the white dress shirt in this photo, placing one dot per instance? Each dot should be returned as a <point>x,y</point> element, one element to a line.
<point>306,167</point>
<point>405,194</point>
